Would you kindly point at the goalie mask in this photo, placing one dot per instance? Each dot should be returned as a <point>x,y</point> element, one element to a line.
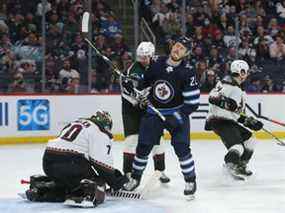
<point>103,120</point>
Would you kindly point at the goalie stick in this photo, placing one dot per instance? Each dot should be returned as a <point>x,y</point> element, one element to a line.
<point>85,29</point>
<point>143,193</point>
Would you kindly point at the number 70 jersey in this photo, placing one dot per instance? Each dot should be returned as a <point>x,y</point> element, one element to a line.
<point>84,137</point>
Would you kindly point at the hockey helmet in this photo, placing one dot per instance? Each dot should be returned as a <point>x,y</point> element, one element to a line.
<point>103,120</point>
<point>187,42</point>
<point>145,48</point>
<point>239,67</point>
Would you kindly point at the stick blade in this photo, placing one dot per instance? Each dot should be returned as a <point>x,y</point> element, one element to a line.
<point>85,22</point>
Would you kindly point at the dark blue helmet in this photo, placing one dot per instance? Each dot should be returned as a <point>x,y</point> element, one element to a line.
<point>187,42</point>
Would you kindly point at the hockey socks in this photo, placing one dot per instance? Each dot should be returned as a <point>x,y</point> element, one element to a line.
<point>159,162</point>
<point>128,159</point>
<point>187,166</point>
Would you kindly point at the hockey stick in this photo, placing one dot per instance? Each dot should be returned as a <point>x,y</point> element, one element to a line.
<point>264,117</point>
<point>273,121</point>
<point>85,29</point>
<point>150,183</point>
<point>279,142</point>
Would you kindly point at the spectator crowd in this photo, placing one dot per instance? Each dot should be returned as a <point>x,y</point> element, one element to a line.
<point>221,30</point>
<point>66,52</point>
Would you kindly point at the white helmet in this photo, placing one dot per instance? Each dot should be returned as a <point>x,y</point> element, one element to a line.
<point>145,48</point>
<point>238,65</point>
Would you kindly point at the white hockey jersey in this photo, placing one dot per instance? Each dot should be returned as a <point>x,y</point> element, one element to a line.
<point>230,91</point>
<point>84,137</point>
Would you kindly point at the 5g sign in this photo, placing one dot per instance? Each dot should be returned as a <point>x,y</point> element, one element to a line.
<point>33,114</point>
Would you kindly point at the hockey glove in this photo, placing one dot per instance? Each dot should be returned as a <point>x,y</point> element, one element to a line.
<point>118,180</point>
<point>224,102</point>
<point>128,85</point>
<point>142,97</point>
<point>174,122</point>
<point>250,122</point>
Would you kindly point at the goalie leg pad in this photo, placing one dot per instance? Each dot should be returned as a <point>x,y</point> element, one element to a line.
<point>88,194</point>
<point>43,189</point>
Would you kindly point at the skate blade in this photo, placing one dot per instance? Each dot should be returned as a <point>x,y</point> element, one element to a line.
<point>189,197</point>
<point>233,175</point>
<point>83,204</point>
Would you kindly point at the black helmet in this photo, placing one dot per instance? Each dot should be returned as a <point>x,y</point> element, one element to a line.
<point>103,120</point>
<point>187,42</point>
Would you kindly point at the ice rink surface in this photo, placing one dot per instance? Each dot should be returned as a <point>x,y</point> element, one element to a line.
<point>217,193</point>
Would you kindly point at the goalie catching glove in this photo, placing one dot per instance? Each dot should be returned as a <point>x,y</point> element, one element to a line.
<point>250,122</point>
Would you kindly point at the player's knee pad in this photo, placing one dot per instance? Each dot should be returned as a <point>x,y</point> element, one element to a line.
<point>234,154</point>
<point>131,143</point>
<point>158,149</point>
<point>44,189</point>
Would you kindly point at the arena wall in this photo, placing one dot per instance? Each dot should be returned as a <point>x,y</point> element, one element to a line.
<point>37,118</point>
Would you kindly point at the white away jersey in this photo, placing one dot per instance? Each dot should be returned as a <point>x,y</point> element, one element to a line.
<point>83,136</point>
<point>230,91</point>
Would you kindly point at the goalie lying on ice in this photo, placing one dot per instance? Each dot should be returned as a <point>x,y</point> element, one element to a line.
<point>78,164</point>
<point>226,113</point>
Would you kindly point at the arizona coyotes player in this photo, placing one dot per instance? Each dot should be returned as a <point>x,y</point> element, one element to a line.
<point>226,114</point>
<point>78,163</point>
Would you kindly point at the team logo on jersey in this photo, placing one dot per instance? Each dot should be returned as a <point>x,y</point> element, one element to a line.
<point>163,91</point>
<point>169,69</point>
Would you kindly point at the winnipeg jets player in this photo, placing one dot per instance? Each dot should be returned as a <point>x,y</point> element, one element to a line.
<point>78,163</point>
<point>227,119</point>
<point>132,113</point>
<point>175,93</point>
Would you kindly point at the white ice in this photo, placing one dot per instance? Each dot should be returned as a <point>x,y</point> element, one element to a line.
<point>217,193</point>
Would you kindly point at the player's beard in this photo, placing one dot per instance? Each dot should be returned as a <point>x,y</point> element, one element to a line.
<point>175,59</point>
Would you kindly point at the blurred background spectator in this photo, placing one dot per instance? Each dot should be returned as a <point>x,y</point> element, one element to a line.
<point>221,30</point>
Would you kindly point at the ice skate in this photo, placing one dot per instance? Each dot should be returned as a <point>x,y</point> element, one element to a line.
<point>233,171</point>
<point>163,178</point>
<point>131,185</point>
<point>242,169</point>
<point>189,190</point>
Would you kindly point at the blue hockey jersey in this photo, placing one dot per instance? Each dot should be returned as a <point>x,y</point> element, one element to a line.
<point>174,88</point>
